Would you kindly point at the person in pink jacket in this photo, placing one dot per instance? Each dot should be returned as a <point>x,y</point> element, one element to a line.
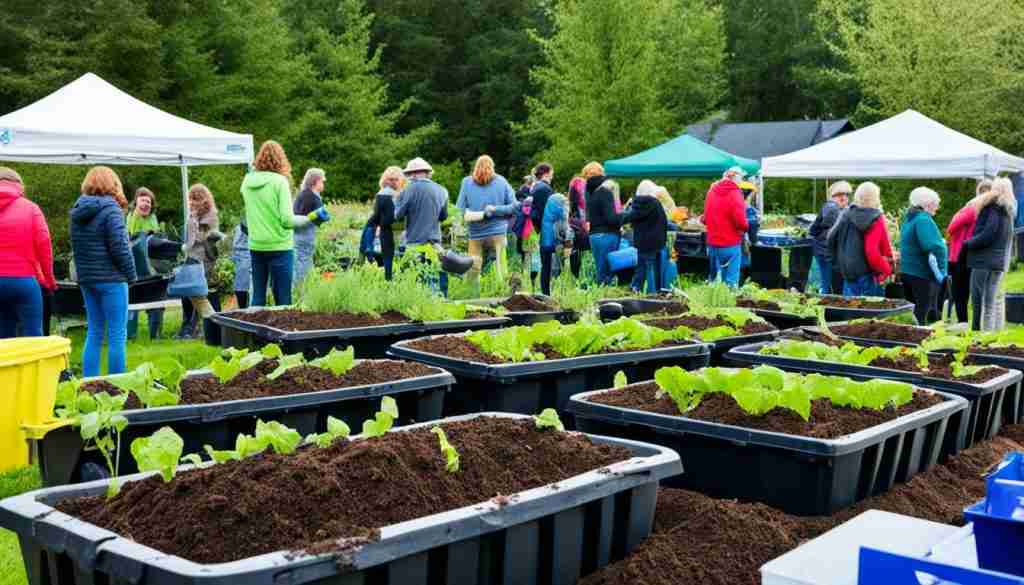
<point>26,260</point>
<point>725,215</point>
<point>960,229</point>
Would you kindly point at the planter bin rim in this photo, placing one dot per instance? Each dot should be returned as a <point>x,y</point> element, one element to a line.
<point>91,548</point>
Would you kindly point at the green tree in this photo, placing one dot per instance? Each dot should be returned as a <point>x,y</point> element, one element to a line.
<point>622,75</point>
<point>957,61</point>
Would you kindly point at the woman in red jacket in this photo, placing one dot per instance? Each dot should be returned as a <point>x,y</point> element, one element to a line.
<point>725,215</point>
<point>26,260</point>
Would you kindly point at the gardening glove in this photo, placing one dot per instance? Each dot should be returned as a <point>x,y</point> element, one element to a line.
<point>936,272</point>
<point>300,221</point>
<point>473,216</point>
<point>319,217</point>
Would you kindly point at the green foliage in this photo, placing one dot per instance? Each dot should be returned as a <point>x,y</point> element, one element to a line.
<point>851,353</point>
<point>99,419</point>
<point>760,390</point>
<point>451,456</point>
<point>336,429</point>
<point>607,91</point>
<point>337,361</point>
<point>712,295</point>
<point>281,439</point>
<point>548,419</point>
<point>620,380</point>
<point>159,452</point>
<point>155,383</point>
<point>286,363</point>
<point>383,420</point>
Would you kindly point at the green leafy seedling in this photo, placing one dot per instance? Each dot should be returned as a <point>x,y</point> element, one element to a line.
<point>383,420</point>
<point>337,362</point>
<point>620,380</point>
<point>281,439</point>
<point>286,363</point>
<point>548,419</point>
<point>192,459</point>
<point>161,452</point>
<point>450,454</point>
<point>336,429</point>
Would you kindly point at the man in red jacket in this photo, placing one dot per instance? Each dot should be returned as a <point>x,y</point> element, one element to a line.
<point>26,260</point>
<point>725,215</point>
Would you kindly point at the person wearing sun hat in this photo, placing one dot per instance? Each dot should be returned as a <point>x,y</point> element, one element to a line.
<point>839,198</point>
<point>725,216</point>
<point>423,205</point>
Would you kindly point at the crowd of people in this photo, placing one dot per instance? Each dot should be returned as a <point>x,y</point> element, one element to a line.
<point>855,256</point>
<point>273,246</point>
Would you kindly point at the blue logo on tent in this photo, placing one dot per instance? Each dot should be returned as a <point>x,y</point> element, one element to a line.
<point>6,136</point>
<point>236,148</point>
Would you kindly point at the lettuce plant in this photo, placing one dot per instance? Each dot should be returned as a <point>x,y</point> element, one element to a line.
<point>383,420</point>
<point>337,362</point>
<point>336,429</point>
<point>159,452</point>
<point>548,419</point>
<point>451,456</point>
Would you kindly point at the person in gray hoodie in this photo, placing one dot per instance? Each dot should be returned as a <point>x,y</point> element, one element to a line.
<point>105,265</point>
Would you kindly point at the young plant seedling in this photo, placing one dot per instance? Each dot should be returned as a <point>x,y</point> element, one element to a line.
<point>620,380</point>
<point>337,362</point>
<point>336,429</point>
<point>99,419</point>
<point>451,456</point>
<point>160,451</point>
<point>548,419</point>
<point>286,363</point>
<point>383,420</point>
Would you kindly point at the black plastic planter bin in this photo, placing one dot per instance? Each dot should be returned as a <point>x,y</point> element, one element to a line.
<point>530,387</point>
<point>68,299</point>
<point>784,321</point>
<point>637,306</point>
<point>799,475</point>
<point>368,342</point>
<point>527,318</point>
<point>985,415</point>
<point>1015,307</point>
<point>849,314</point>
<point>63,458</point>
<point>552,534</point>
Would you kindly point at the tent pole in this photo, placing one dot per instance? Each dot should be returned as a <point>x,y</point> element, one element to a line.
<point>184,201</point>
<point>760,196</point>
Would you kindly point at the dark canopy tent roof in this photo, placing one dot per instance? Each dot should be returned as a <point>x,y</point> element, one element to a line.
<point>758,140</point>
<point>684,156</point>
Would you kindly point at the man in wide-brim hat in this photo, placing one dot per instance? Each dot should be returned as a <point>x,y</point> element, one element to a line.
<point>423,205</point>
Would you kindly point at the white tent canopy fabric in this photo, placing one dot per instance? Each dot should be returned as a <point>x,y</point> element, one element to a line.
<point>907,146</point>
<point>89,122</point>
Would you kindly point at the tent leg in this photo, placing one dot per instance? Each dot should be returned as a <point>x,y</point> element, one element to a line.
<point>760,197</point>
<point>184,201</point>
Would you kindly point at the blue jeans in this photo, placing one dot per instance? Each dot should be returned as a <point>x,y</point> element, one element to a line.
<point>277,267</point>
<point>21,302</point>
<point>305,247</point>
<point>601,245</point>
<point>648,267</point>
<point>726,262</point>
<point>865,286</point>
<point>824,275</point>
<point>106,312</point>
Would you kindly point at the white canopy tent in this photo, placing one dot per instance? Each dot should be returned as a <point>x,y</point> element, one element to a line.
<point>907,146</point>
<point>91,122</point>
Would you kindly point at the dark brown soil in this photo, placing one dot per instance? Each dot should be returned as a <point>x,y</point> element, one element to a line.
<point>97,386</point>
<point>763,305</point>
<point>859,303</point>
<point>701,323</point>
<point>826,422</point>
<point>703,541</point>
<point>253,383</point>
<point>1012,351</point>
<point>316,496</point>
<point>526,303</point>
<point>459,347</point>
<point>939,365</point>
<point>295,320</point>
<point>882,330</point>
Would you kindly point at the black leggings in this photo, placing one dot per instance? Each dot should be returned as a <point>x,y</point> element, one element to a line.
<point>961,276</point>
<point>923,292</point>
<point>547,256</point>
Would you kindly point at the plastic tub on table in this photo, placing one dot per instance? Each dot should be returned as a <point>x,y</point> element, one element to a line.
<point>985,415</point>
<point>368,342</point>
<point>551,534</point>
<point>799,475</point>
<point>530,387</point>
<point>64,459</point>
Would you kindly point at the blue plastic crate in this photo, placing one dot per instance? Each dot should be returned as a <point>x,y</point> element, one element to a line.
<point>882,568</point>
<point>999,518</point>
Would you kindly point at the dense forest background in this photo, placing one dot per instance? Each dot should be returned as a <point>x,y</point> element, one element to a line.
<point>356,85</point>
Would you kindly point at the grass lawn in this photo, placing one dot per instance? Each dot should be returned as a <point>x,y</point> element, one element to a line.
<point>192,354</point>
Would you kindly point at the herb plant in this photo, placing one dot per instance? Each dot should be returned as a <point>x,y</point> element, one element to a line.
<point>451,456</point>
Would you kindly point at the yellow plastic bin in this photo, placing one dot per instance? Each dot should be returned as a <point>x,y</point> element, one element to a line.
<point>30,369</point>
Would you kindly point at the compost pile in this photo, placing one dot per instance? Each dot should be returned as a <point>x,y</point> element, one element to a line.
<point>827,421</point>
<point>254,383</point>
<point>526,303</point>
<point>698,323</point>
<point>349,490</point>
<point>699,540</point>
<point>882,330</point>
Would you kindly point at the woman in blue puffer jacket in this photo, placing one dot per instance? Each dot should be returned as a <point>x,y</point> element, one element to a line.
<point>105,266</point>
<point>554,231</point>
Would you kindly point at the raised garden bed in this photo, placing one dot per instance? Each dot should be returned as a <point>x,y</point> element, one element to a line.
<point>1015,307</point>
<point>214,413</point>
<point>837,308</point>
<point>525,309</point>
<point>382,510</point>
<point>987,390</point>
<point>881,333</point>
<point>611,309</point>
<point>485,381</point>
<point>68,299</point>
<point>840,455</point>
<point>316,334</point>
<point>752,331</point>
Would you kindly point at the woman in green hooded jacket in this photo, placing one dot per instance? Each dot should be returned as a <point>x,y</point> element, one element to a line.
<point>923,255</point>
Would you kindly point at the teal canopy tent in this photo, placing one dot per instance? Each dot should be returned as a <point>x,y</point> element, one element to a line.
<point>685,156</point>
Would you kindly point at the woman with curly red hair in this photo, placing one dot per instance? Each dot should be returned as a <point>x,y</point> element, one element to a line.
<point>271,222</point>
<point>202,224</point>
<point>105,265</point>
